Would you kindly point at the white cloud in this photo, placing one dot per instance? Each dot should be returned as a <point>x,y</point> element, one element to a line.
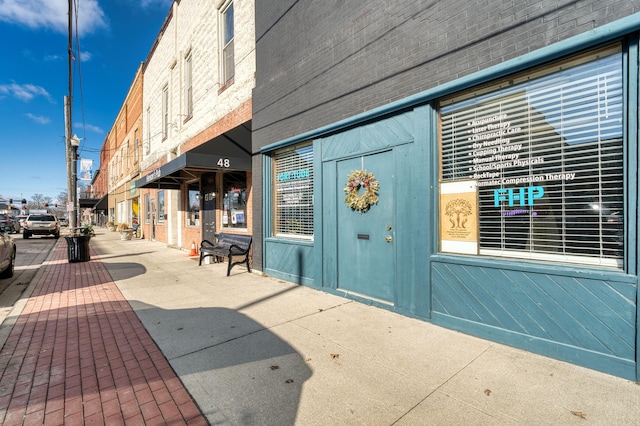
<point>53,14</point>
<point>39,118</point>
<point>52,58</point>
<point>156,3</point>
<point>24,92</point>
<point>89,127</point>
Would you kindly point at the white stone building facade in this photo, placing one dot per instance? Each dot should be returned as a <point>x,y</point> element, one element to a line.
<point>198,81</point>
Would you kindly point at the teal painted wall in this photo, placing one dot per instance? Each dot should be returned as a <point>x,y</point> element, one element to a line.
<point>587,319</point>
<point>290,260</point>
<point>587,316</point>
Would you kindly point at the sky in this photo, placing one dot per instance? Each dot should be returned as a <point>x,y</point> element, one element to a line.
<point>113,39</point>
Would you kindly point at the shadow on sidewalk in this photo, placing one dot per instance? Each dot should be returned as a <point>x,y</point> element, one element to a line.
<point>237,370</point>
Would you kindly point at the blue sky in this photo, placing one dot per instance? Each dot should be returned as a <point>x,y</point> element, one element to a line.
<point>115,36</point>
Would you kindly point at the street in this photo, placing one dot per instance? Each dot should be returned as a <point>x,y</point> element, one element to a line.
<point>31,253</point>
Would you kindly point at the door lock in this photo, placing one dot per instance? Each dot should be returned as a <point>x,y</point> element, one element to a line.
<point>389,238</point>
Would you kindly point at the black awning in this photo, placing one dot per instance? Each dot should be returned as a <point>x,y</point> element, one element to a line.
<point>87,203</point>
<point>229,151</point>
<point>102,204</point>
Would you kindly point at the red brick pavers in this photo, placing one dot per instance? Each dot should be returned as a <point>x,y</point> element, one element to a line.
<point>78,354</point>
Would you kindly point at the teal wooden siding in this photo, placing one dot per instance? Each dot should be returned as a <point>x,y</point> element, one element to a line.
<point>589,320</point>
<point>587,316</point>
<point>290,260</point>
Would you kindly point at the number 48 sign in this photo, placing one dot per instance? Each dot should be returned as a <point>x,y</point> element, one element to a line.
<point>224,162</point>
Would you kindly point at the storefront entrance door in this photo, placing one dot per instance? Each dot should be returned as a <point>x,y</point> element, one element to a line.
<point>366,246</point>
<point>209,213</point>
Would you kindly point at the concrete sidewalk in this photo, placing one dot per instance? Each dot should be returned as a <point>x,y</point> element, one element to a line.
<point>257,350</point>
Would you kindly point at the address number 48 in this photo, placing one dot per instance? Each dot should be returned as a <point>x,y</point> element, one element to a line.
<point>224,162</point>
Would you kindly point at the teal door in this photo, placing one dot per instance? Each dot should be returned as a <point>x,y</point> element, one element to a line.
<point>366,247</point>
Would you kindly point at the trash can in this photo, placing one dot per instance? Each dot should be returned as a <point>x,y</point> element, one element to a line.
<point>78,248</point>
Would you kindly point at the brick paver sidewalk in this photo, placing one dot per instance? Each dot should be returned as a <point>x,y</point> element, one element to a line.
<point>78,354</point>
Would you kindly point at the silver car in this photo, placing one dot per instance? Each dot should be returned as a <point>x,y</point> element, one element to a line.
<point>7,255</point>
<point>41,224</point>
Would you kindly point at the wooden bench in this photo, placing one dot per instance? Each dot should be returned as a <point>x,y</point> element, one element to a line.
<point>227,245</point>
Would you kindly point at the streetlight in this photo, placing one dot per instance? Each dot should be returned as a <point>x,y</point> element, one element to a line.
<point>74,141</point>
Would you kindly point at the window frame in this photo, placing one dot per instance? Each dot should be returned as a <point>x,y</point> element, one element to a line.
<point>192,193</point>
<point>286,175</point>
<point>188,83</point>
<point>161,207</point>
<point>227,215</point>
<point>165,112</point>
<point>227,42</point>
<point>570,145</point>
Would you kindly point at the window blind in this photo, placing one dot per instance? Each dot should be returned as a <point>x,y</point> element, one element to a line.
<point>547,154</point>
<point>294,191</point>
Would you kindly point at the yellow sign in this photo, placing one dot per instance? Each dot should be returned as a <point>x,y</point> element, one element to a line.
<point>459,217</point>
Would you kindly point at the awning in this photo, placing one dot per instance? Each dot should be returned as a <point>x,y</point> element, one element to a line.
<point>229,151</point>
<point>102,204</point>
<point>87,203</point>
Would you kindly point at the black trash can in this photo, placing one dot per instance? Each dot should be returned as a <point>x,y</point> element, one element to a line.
<point>78,248</point>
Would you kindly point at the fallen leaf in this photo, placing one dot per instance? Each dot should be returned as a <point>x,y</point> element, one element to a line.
<point>275,367</point>
<point>580,414</point>
<point>487,392</point>
<point>289,381</point>
<point>334,356</point>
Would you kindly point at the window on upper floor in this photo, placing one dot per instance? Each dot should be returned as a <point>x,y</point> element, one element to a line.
<point>165,112</point>
<point>147,146</point>
<point>228,68</point>
<point>188,88</point>
<point>136,148</point>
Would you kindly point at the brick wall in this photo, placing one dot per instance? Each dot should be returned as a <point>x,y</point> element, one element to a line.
<point>320,62</point>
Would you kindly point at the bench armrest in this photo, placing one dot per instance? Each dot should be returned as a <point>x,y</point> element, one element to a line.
<point>206,244</point>
<point>236,249</point>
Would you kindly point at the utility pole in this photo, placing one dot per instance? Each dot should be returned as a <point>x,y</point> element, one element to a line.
<point>72,153</point>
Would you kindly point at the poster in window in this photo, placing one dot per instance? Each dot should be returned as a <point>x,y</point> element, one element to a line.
<point>459,217</point>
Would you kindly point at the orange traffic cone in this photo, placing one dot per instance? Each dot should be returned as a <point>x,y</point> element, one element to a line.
<point>193,251</point>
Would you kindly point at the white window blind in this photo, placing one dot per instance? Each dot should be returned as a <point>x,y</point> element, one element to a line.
<point>546,150</point>
<point>293,189</point>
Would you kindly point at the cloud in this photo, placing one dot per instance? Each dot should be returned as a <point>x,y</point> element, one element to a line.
<point>156,3</point>
<point>85,56</point>
<point>89,127</point>
<point>24,92</point>
<point>53,15</point>
<point>39,119</point>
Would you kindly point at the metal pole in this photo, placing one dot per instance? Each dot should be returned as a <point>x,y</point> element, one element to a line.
<point>71,149</point>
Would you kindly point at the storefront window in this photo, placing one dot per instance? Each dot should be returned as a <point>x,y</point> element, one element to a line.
<point>544,152</point>
<point>234,206</point>
<point>161,213</point>
<point>193,205</point>
<point>147,209</point>
<point>294,191</point>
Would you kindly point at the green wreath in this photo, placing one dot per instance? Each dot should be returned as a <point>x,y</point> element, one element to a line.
<point>355,181</point>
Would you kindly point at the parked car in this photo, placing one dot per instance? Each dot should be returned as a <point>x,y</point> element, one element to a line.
<point>63,221</point>
<point>7,255</point>
<point>9,224</point>
<point>41,224</point>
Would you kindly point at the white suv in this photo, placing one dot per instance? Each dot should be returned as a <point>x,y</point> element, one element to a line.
<point>41,224</point>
